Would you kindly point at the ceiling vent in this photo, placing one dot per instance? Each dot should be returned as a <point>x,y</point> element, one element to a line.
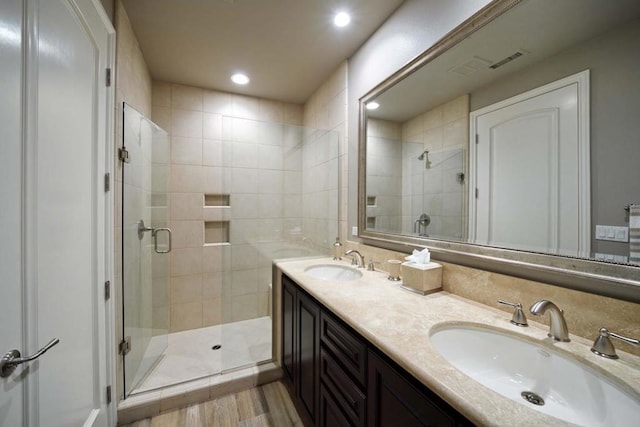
<point>471,66</point>
<point>509,58</point>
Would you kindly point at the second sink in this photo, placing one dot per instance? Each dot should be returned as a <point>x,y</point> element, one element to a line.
<point>333,272</point>
<point>534,375</point>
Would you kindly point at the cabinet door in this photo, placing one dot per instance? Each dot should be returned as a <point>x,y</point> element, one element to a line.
<point>330,413</point>
<point>288,329</point>
<point>308,335</point>
<point>394,401</point>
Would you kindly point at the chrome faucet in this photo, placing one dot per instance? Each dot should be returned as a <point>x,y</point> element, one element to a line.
<point>557,326</point>
<point>357,258</point>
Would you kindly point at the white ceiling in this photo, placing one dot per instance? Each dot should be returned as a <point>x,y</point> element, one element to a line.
<point>541,27</point>
<point>287,47</point>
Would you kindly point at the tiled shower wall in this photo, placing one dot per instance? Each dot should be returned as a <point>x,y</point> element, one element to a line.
<point>384,175</point>
<point>444,132</point>
<point>224,144</point>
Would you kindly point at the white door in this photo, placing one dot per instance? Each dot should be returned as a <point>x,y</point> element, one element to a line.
<point>532,191</point>
<point>55,218</point>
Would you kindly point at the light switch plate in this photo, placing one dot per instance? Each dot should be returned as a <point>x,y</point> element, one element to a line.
<point>612,233</point>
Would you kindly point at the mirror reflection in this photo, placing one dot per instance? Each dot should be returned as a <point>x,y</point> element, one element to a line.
<point>525,135</point>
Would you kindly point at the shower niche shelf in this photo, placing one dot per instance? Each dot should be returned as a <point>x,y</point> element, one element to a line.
<point>216,200</point>
<point>216,232</point>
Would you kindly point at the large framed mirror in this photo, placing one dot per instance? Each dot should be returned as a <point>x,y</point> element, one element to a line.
<point>513,144</point>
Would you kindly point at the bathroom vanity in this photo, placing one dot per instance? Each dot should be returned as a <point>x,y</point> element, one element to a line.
<point>358,352</point>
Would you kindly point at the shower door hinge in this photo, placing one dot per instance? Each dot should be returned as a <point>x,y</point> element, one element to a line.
<point>107,290</point>
<point>108,77</point>
<point>107,182</point>
<point>108,394</point>
<point>123,155</point>
<point>477,138</point>
<point>476,193</point>
<point>125,346</point>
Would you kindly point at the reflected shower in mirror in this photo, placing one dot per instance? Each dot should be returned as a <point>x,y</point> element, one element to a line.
<point>524,135</point>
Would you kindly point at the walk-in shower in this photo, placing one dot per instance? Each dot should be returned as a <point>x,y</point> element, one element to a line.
<point>197,261</point>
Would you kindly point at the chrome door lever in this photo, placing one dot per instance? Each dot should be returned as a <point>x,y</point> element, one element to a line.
<point>12,358</point>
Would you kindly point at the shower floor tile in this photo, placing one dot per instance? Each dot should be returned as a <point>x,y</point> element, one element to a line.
<point>189,354</point>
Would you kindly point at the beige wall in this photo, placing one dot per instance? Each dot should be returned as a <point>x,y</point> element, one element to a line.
<point>444,132</point>
<point>133,85</point>
<point>225,144</point>
<point>326,109</point>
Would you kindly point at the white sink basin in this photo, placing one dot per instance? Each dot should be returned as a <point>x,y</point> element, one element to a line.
<point>510,366</point>
<point>333,272</point>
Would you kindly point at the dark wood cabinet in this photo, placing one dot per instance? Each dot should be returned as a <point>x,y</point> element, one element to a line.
<point>288,329</point>
<point>301,349</point>
<point>393,400</point>
<point>337,378</point>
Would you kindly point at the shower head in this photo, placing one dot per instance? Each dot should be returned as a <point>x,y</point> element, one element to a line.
<point>424,153</point>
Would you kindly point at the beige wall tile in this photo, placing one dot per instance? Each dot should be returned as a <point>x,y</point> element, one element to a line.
<point>186,179</point>
<point>271,111</point>
<point>186,289</point>
<point>186,97</point>
<point>185,206</point>
<point>218,102</point>
<point>434,139</point>
<point>456,109</point>
<point>162,117</point>
<point>216,258</point>
<point>186,151</point>
<point>187,234</point>
<point>212,285</point>
<point>212,311</point>
<point>246,107</point>
<point>186,316</point>
<point>186,123</point>
<point>434,118</point>
<point>456,133</point>
<point>244,307</point>
<point>212,126</point>
<point>292,114</point>
<point>161,94</point>
<point>186,261</point>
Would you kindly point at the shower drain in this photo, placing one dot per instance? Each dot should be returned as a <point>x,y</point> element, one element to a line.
<point>532,397</point>
<point>216,347</point>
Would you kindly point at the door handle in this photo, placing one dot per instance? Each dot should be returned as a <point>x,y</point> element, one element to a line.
<point>12,358</point>
<point>154,233</point>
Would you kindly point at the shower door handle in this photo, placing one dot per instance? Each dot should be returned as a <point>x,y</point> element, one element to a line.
<point>12,358</point>
<point>154,233</point>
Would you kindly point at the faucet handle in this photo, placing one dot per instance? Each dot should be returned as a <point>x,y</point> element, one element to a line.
<point>371,265</point>
<point>603,346</point>
<point>518,319</point>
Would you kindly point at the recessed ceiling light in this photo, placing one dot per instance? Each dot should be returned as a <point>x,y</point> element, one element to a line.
<point>240,79</point>
<point>341,19</point>
<point>373,105</point>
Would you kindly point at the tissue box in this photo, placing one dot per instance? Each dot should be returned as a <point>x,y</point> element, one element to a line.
<point>424,279</point>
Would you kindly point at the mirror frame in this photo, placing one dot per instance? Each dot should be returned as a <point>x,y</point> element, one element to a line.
<point>609,279</point>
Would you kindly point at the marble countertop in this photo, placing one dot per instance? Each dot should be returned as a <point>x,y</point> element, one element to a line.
<point>399,323</point>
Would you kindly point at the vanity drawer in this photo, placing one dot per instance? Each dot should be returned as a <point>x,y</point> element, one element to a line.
<point>345,393</point>
<point>348,349</point>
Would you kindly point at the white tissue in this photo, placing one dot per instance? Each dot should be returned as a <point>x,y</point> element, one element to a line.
<point>419,257</point>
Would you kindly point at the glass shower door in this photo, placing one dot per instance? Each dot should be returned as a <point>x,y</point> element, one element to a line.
<point>145,247</point>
